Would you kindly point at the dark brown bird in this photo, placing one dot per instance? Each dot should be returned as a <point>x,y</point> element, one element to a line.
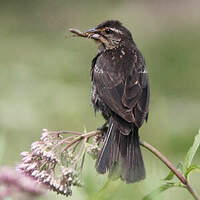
<point>120,90</point>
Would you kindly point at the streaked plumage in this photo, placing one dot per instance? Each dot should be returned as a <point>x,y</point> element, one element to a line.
<point>120,90</point>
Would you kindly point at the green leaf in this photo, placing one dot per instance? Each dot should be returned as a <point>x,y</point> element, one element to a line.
<point>170,176</point>
<point>161,189</point>
<point>191,153</point>
<point>158,191</point>
<point>190,169</point>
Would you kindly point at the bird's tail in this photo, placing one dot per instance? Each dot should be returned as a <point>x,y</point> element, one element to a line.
<point>121,154</point>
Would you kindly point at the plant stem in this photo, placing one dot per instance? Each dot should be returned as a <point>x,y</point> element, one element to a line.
<point>85,136</point>
<point>81,137</point>
<point>192,191</point>
<point>159,155</point>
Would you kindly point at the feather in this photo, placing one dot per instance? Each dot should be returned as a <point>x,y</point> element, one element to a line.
<point>121,155</point>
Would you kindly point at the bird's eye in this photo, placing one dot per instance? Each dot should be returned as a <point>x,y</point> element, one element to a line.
<point>108,31</point>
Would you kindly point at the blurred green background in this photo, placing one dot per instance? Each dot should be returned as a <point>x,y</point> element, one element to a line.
<point>45,80</point>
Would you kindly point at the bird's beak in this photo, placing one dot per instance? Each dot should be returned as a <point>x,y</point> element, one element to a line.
<point>91,30</point>
<point>93,33</point>
<point>97,36</point>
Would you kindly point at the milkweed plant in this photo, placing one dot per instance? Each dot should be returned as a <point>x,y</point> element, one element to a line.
<point>55,162</point>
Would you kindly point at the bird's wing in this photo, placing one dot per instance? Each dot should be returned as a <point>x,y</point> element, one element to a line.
<point>126,95</point>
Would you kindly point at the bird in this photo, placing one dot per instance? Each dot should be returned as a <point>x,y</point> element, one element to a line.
<point>121,92</point>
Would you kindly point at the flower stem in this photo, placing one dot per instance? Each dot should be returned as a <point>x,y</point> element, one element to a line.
<point>159,155</point>
<point>83,137</point>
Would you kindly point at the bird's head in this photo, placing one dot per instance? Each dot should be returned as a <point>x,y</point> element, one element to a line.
<point>110,34</point>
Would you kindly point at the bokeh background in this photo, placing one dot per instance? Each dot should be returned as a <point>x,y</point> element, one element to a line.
<point>45,80</point>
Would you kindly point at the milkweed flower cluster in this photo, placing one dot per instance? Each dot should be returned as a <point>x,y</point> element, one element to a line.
<point>16,185</point>
<point>56,160</point>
